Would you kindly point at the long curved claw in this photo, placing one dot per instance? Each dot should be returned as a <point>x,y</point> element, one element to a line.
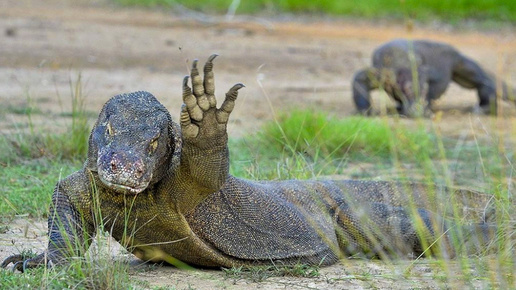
<point>23,262</point>
<point>11,259</point>
<point>232,94</point>
<point>208,66</point>
<point>20,263</point>
<point>24,267</point>
<point>229,103</point>
<point>185,83</point>
<point>212,57</point>
<point>236,87</point>
<point>19,266</point>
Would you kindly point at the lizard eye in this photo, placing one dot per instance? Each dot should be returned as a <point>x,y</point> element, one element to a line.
<point>109,129</point>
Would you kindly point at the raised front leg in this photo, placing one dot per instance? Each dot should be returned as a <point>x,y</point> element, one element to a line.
<point>67,233</point>
<point>204,163</point>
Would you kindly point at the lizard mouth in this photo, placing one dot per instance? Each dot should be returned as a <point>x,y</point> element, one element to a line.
<point>128,189</point>
<point>125,189</point>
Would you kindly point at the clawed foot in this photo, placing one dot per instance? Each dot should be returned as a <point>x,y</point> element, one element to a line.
<point>22,262</point>
<point>201,121</point>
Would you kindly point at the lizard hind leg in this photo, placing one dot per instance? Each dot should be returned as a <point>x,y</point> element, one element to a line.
<point>411,91</point>
<point>468,74</point>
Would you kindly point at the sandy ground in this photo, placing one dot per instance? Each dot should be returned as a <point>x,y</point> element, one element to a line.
<point>294,63</point>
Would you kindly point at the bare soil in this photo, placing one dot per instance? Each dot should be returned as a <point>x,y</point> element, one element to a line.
<point>294,63</point>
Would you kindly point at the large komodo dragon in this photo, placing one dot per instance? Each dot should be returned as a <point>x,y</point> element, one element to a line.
<point>165,193</point>
<point>408,69</point>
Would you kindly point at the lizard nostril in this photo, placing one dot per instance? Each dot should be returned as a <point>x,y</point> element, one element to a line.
<point>113,165</point>
<point>139,173</point>
<point>139,170</point>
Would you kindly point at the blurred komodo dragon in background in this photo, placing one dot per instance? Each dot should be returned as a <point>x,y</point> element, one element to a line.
<point>407,69</point>
<point>165,193</point>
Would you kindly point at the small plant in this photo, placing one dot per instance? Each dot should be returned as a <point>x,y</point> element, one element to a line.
<point>34,160</point>
<point>73,143</point>
<point>89,267</point>
<point>70,144</point>
<point>100,273</point>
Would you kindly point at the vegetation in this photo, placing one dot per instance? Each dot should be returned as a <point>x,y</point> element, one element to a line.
<point>35,160</point>
<point>492,10</point>
<point>315,133</point>
<point>95,271</point>
<point>298,144</point>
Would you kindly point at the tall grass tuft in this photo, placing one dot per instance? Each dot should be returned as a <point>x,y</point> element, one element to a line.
<point>72,144</point>
<point>68,143</point>
<point>92,268</point>
<point>303,144</point>
<point>34,159</point>
<point>314,133</point>
<point>95,271</point>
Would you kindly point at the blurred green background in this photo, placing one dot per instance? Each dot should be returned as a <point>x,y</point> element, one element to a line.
<point>424,10</point>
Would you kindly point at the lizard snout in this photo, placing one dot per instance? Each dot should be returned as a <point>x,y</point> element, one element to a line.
<point>123,171</point>
<point>120,164</point>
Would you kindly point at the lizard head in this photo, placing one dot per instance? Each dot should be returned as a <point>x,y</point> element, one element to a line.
<point>411,90</point>
<point>133,143</point>
<point>404,83</point>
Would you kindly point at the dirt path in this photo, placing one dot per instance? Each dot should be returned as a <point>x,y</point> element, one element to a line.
<point>45,44</point>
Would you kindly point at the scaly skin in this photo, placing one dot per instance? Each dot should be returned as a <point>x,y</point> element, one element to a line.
<point>165,193</point>
<point>408,69</point>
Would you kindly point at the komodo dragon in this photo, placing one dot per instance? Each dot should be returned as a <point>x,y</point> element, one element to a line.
<point>165,193</point>
<point>407,69</point>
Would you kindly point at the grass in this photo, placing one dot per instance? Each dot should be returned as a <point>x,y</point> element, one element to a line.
<point>71,145</point>
<point>91,272</point>
<point>305,144</point>
<point>299,144</point>
<point>316,133</point>
<point>34,160</point>
<point>26,188</point>
<point>425,10</point>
